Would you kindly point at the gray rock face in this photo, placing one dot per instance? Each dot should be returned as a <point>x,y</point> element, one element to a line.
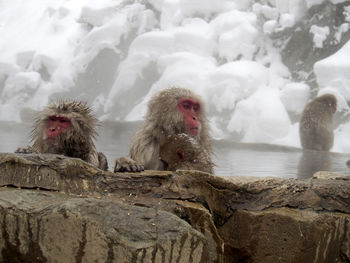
<point>82,214</point>
<point>298,49</point>
<point>288,235</point>
<point>39,226</point>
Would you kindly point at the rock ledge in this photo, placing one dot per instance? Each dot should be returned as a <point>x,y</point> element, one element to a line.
<point>69,211</point>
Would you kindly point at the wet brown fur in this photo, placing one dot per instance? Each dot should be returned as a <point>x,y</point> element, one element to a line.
<point>163,119</point>
<point>185,153</point>
<point>316,124</point>
<point>77,140</point>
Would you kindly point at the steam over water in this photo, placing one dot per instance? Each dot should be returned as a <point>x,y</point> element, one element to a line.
<point>232,159</point>
<point>255,64</point>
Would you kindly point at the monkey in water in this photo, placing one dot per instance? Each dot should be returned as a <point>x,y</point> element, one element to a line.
<point>171,111</point>
<point>67,128</point>
<point>316,123</point>
<point>182,152</point>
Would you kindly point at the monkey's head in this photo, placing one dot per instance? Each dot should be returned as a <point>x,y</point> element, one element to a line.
<point>179,148</point>
<point>177,110</point>
<point>329,101</point>
<point>64,124</point>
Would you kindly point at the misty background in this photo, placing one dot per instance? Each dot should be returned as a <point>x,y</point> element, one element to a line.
<point>255,63</point>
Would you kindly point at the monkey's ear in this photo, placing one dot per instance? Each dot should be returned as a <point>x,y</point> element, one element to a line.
<point>180,154</point>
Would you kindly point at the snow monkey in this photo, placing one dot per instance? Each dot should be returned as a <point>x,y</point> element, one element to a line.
<point>67,128</point>
<point>180,151</point>
<point>316,123</point>
<point>170,111</point>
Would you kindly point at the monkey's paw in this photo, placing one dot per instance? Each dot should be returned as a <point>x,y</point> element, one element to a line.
<point>126,164</point>
<point>102,161</point>
<point>26,150</point>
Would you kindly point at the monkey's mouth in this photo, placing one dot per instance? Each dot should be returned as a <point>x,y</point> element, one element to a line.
<point>194,130</point>
<point>50,140</point>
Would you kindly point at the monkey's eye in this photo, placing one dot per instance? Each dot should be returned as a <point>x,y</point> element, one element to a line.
<point>52,118</point>
<point>186,105</point>
<point>196,107</point>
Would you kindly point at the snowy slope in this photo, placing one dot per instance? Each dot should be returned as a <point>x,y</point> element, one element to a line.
<point>117,54</point>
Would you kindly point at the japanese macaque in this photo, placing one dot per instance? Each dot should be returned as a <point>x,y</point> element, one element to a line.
<point>348,163</point>
<point>67,128</point>
<point>316,123</point>
<point>182,152</point>
<point>170,111</point>
<point>312,161</point>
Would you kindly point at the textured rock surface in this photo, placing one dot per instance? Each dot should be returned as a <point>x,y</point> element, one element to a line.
<point>288,235</point>
<point>300,58</point>
<point>41,226</point>
<point>147,215</point>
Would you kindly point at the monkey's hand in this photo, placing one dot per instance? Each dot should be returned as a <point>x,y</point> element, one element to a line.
<point>26,150</point>
<point>102,161</point>
<point>126,164</point>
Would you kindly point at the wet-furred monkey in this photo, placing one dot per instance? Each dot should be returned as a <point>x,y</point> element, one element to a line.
<point>67,128</point>
<point>316,123</point>
<point>171,111</point>
<point>182,152</point>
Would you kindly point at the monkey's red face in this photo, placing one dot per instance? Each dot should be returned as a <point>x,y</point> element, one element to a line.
<point>56,125</point>
<point>190,109</point>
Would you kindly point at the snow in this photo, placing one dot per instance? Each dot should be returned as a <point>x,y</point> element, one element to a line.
<point>261,117</point>
<point>294,96</point>
<point>337,1</point>
<point>287,20</point>
<point>234,26</point>
<point>270,26</point>
<point>320,35</point>
<point>333,73</point>
<point>332,77</point>
<point>310,3</point>
<point>116,54</point>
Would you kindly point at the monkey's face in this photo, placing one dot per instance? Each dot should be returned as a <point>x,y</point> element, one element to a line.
<point>56,125</point>
<point>329,101</point>
<point>333,106</point>
<point>190,109</point>
<point>172,150</point>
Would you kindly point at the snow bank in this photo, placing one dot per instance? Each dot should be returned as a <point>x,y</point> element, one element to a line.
<point>116,54</point>
<point>333,77</point>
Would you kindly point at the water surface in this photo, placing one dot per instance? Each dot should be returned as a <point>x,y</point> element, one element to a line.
<point>232,159</point>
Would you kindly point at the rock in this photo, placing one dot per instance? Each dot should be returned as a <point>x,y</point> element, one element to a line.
<point>300,58</point>
<point>215,219</point>
<point>49,171</point>
<point>287,235</point>
<point>38,226</point>
<point>329,175</point>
